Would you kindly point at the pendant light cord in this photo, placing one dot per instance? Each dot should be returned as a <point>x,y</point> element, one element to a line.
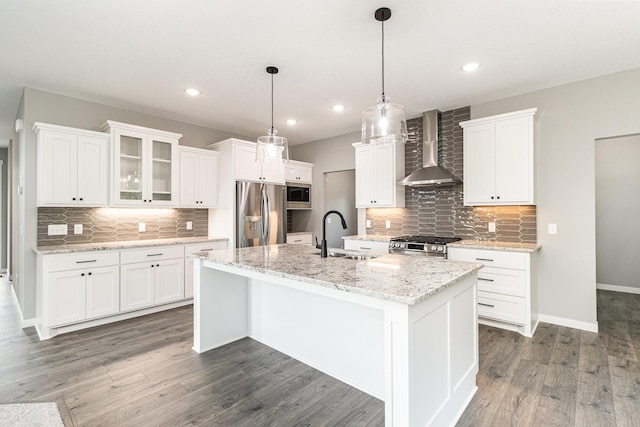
<point>271,103</point>
<point>383,97</point>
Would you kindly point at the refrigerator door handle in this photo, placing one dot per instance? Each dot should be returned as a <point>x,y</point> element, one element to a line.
<point>267,218</point>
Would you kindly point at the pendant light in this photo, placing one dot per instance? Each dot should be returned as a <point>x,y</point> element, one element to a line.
<point>384,122</point>
<point>272,147</point>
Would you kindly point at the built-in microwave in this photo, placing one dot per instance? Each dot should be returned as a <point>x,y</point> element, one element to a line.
<point>298,195</point>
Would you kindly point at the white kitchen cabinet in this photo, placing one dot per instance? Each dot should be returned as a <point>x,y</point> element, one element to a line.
<point>198,178</point>
<point>301,172</point>
<point>378,169</point>
<point>499,160</point>
<point>300,238</point>
<point>145,165</point>
<point>188,261</point>
<point>72,165</point>
<point>247,169</point>
<point>507,288</point>
<point>151,276</point>
<point>80,287</point>
<point>366,245</point>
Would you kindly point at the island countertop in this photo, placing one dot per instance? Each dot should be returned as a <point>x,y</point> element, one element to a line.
<point>399,278</point>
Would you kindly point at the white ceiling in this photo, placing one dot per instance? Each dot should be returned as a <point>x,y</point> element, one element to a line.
<point>142,54</point>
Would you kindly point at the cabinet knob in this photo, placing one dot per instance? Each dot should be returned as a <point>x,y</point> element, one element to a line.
<point>82,274</point>
<point>497,197</point>
<point>81,198</point>
<point>491,197</point>
<point>89,273</point>
<point>73,198</point>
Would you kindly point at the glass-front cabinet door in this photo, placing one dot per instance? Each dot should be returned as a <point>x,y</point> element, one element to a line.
<point>145,166</point>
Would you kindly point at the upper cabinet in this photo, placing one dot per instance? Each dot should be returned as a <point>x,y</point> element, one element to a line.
<point>378,169</point>
<point>198,178</point>
<point>73,166</point>
<point>145,165</point>
<point>245,167</point>
<point>299,172</point>
<point>499,159</point>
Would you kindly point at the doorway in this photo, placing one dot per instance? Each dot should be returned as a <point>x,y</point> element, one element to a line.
<point>617,205</point>
<point>340,195</point>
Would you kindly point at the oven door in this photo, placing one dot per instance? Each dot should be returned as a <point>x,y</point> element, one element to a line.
<point>298,196</point>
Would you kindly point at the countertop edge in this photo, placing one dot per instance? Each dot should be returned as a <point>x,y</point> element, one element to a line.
<point>127,244</point>
<point>496,246</point>
<point>369,237</point>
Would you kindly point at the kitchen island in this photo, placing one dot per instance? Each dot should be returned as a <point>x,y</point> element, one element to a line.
<point>399,328</point>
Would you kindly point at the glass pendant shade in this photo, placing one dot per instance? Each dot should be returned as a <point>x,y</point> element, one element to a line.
<point>384,123</point>
<point>272,148</point>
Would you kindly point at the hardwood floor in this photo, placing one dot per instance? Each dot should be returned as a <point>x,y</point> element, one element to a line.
<point>143,372</point>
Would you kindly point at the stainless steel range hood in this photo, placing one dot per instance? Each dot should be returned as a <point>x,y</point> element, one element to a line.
<point>431,174</point>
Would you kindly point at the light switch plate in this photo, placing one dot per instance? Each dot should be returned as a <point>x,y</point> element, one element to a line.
<point>57,230</point>
<point>77,229</point>
<point>388,223</point>
<point>142,227</point>
<point>189,225</point>
<point>553,228</point>
<point>492,227</point>
<point>368,223</point>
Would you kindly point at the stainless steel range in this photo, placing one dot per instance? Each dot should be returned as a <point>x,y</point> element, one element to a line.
<point>431,246</point>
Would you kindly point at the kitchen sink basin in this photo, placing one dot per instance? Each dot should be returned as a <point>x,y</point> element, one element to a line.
<point>351,255</point>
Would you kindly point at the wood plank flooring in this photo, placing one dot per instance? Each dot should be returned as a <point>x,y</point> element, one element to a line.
<point>143,372</point>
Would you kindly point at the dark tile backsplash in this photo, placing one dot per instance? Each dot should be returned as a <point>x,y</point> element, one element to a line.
<point>120,224</point>
<point>440,211</point>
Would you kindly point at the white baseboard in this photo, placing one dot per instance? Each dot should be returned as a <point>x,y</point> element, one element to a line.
<point>617,288</point>
<point>569,323</point>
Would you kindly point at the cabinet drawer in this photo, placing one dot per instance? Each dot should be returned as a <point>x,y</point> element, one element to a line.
<point>501,259</point>
<point>502,281</point>
<point>205,247</point>
<point>81,260</point>
<point>366,245</point>
<point>502,307</point>
<point>300,239</point>
<point>151,254</point>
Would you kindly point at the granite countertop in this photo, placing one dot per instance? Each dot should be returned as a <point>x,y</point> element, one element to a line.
<point>496,246</point>
<point>399,278</point>
<point>370,237</point>
<point>129,244</point>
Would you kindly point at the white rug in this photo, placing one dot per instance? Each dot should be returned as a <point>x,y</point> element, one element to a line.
<point>30,415</point>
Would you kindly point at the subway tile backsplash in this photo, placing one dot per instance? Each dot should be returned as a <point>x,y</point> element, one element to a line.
<point>120,224</point>
<point>440,211</point>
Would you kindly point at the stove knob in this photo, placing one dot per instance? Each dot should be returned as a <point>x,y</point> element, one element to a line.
<point>440,248</point>
<point>402,245</point>
<point>434,248</point>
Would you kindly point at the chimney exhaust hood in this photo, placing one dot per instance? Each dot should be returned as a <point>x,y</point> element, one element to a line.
<point>431,174</point>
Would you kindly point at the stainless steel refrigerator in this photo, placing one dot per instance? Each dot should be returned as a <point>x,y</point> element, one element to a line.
<point>261,217</point>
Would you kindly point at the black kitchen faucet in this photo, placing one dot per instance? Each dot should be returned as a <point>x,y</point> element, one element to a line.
<point>323,245</point>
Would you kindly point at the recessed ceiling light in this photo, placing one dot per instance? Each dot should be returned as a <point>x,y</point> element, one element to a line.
<point>337,108</point>
<point>193,92</point>
<point>291,122</point>
<point>471,66</point>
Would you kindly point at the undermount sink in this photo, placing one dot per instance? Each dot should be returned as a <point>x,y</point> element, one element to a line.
<point>352,255</point>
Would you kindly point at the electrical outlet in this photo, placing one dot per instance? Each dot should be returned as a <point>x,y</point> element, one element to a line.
<point>553,228</point>
<point>368,223</point>
<point>492,227</point>
<point>77,229</point>
<point>189,225</point>
<point>328,220</point>
<point>142,227</point>
<point>57,230</point>
<point>388,223</point>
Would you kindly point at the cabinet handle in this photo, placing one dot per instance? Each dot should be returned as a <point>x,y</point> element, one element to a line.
<point>486,305</point>
<point>367,249</point>
<point>89,273</point>
<point>484,259</point>
<point>81,199</point>
<point>497,197</point>
<point>204,250</point>
<point>485,280</point>
<point>491,197</point>
<point>155,254</point>
<point>83,262</point>
<point>73,198</point>
<point>82,275</point>
<point>298,240</point>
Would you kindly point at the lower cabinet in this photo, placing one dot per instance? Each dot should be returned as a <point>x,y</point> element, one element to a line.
<point>159,279</point>
<point>80,287</point>
<point>507,294</point>
<point>300,238</point>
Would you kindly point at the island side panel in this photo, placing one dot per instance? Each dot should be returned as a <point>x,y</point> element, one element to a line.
<point>220,307</point>
<point>431,357</point>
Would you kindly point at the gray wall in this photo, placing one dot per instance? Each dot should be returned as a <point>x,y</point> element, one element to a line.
<point>328,155</point>
<point>4,156</point>
<point>617,207</point>
<point>571,118</point>
<point>62,110</point>
<point>341,195</point>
